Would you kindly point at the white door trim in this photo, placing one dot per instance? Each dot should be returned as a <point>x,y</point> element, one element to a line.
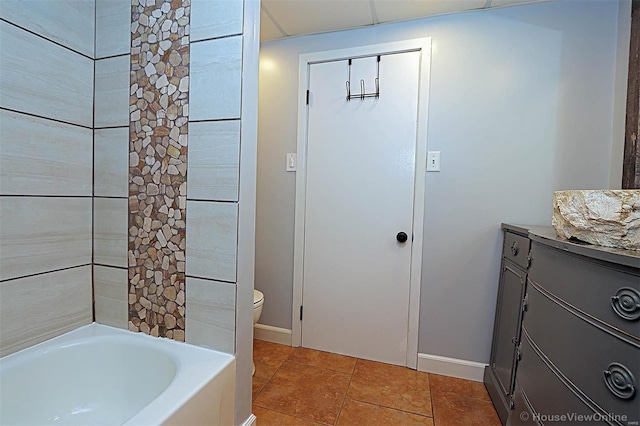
<point>424,46</point>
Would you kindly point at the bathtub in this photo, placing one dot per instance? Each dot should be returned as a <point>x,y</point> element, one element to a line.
<point>99,375</point>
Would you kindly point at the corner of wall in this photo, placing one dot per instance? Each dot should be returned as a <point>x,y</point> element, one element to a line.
<point>247,210</point>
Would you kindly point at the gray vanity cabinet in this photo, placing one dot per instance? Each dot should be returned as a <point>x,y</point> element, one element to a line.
<point>499,376</point>
<point>566,342</point>
<point>507,331</point>
<point>580,343</point>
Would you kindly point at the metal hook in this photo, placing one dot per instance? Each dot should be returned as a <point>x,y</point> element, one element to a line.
<point>363,92</point>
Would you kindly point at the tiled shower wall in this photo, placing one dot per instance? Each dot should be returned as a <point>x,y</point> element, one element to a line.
<point>111,161</point>
<point>212,177</point>
<point>212,180</point>
<point>46,121</point>
<point>64,168</point>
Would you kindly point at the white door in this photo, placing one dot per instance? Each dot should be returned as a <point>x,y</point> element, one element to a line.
<point>361,158</point>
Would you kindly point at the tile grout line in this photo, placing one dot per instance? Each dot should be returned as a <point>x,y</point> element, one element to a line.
<point>35,274</point>
<point>431,390</point>
<point>315,366</point>
<point>459,395</point>
<point>391,407</point>
<point>42,117</point>
<point>93,168</point>
<point>433,411</point>
<point>269,380</point>
<point>347,392</point>
<point>45,38</point>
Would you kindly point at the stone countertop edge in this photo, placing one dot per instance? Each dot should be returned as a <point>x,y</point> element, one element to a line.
<point>547,235</point>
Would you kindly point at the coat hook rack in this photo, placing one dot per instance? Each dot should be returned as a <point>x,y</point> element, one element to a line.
<point>363,94</point>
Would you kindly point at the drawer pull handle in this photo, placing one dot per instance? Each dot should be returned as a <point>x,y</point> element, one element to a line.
<point>514,248</point>
<point>620,381</point>
<point>626,303</point>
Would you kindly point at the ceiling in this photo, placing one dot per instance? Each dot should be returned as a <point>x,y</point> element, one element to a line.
<point>285,18</point>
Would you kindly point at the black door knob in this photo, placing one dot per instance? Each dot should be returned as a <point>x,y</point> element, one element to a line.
<point>402,237</point>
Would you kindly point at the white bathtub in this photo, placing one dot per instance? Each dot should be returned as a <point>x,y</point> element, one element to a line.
<point>99,375</point>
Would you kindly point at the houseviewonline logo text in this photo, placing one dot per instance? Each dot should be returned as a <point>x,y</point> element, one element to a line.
<point>576,417</point>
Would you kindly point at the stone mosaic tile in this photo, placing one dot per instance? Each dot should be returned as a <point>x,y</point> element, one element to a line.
<point>159,110</point>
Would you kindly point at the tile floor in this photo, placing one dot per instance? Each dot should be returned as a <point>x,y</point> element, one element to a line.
<point>298,386</point>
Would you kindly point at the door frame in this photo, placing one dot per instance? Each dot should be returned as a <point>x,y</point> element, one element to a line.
<point>422,45</point>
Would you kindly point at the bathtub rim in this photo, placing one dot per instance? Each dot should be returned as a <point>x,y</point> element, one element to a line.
<point>195,366</point>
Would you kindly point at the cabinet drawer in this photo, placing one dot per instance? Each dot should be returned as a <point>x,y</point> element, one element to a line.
<point>522,414</point>
<point>583,352</point>
<point>589,286</point>
<point>516,248</point>
<point>548,395</point>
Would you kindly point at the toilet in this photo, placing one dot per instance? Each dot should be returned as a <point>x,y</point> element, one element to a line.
<point>258,301</point>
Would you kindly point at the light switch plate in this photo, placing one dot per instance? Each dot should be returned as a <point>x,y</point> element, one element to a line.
<point>433,161</point>
<point>292,162</point>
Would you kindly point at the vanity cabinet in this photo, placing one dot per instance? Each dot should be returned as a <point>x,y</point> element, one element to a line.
<point>500,374</point>
<point>576,347</point>
<point>580,346</point>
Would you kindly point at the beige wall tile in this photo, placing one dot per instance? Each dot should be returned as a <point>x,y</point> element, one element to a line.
<point>110,289</point>
<point>210,316</point>
<point>112,92</point>
<point>215,18</point>
<point>214,156</point>
<point>41,307</point>
<point>44,157</point>
<point>68,22</point>
<point>43,234</point>
<point>110,231</point>
<point>211,240</point>
<point>111,162</point>
<point>44,79</point>
<point>219,97</point>
<point>113,27</point>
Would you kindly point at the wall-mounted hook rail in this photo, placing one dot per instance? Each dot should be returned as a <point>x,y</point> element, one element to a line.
<point>363,94</point>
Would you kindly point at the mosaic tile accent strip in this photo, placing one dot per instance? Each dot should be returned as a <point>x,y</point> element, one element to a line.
<point>158,129</point>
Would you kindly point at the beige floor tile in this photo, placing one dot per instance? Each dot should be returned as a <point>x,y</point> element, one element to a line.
<point>305,391</point>
<point>379,368</point>
<point>356,413</point>
<point>268,357</point>
<point>454,410</point>
<point>391,386</point>
<point>273,418</point>
<point>328,360</point>
<point>300,386</point>
<point>258,385</point>
<point>443,384</point>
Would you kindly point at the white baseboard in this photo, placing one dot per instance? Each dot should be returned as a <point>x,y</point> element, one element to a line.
<point>251,420</point>
<point>451,367</point>
<point>272,334</point>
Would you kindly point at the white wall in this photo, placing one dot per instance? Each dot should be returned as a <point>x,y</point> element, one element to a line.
<point>521,104</point>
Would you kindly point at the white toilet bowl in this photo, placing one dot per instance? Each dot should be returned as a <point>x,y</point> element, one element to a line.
<point>258,301</point>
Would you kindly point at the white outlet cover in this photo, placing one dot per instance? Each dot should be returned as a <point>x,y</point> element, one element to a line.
<point>433,161</point>
<point>292,162</point>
